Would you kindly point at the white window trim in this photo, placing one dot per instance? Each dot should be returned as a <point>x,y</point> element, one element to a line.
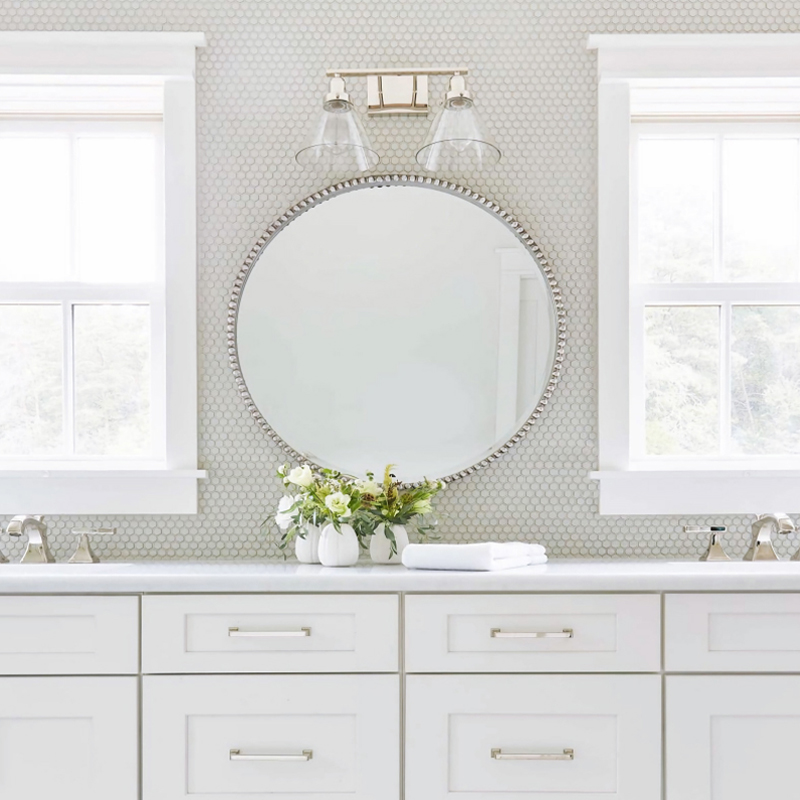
<point>168,60</point>
<point>641,60</point>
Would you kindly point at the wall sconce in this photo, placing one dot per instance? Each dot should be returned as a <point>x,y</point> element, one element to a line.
<point>456,139</point>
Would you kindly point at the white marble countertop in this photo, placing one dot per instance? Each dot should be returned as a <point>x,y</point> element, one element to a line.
<point>252,576</point>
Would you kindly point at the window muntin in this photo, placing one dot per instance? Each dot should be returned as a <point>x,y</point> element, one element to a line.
<point>715,291</point>
<point>82,241</point>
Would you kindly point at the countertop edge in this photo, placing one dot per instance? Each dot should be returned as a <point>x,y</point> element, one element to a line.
<point>260,577</point>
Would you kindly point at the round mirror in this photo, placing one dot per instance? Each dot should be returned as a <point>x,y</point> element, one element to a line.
<point>396,320</point>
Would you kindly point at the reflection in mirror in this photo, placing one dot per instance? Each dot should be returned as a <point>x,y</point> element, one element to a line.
<point>397,324</point>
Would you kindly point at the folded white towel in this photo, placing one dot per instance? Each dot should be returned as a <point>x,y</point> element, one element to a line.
<point>481,556</point>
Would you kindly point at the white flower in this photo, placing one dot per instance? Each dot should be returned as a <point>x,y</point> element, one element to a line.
<point>283,518</point>
<point>301,476</point>
<point>369,487</point>
<point>338,504</point>
<point>422,506</point>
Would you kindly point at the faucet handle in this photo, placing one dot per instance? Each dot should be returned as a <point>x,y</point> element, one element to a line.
<point>783,522</point>
<point>714,551</point>
<point>83,552</point>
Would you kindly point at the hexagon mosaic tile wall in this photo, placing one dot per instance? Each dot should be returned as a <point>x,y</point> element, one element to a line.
<point>259,82</point>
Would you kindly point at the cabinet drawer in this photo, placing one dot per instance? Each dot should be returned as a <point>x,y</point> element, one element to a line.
<point>280,737</point>
<point>533,633</point>
<point>732,633</point>
<point>533,736</point>
<point>270,633</point>
<point>69,635</point>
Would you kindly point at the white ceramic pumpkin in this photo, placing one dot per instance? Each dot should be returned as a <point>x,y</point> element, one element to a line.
<point>306,548</point>
<point>380,546</point>
<point>338,548</point>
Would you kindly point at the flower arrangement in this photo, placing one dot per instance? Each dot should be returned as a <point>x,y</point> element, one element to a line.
<point>319,498</point>
<point>389,503</point>
<point>365,507</point>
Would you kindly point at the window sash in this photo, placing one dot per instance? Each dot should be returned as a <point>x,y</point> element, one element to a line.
<point>150,296</point>
<point>74,292</point>
<point>642,298</point>
<point>718,132</point>
<point>719,293</point>
<point>122,125</point>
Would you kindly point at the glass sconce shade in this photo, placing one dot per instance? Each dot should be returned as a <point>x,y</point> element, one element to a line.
<point>457,139</point>
<point>338,141</point>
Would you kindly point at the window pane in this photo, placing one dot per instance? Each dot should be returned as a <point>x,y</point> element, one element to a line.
<point>31,397</point>
<point>116,214</point>
<point>112,380</point>
<point>676,210</point>
<point>765,368</point>
<point>760,209</point>
<point>682,380</point>
<point>34,209</point>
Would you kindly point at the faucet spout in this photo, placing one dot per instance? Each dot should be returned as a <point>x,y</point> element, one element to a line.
<point>762,547</point>
<point>32,526</point>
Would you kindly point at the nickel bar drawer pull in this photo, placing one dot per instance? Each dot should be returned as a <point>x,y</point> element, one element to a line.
<point>566,755</point>
<point>305,755</point>
<point>498,633</point>
<point>276,634</point>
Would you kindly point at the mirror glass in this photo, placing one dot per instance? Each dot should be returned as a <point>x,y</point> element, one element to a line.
<point>396,324</point>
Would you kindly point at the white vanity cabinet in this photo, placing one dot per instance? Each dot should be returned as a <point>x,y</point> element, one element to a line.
<point>733,737</point>
<point>527,735</point>
<point>440,687</point>
<point>258,734</point>
<point>71,732</point>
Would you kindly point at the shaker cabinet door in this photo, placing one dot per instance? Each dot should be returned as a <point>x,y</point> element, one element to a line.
<point>533,737</point>
<point>69,739</point>
<point>732,737</point>
<point>271,737</point>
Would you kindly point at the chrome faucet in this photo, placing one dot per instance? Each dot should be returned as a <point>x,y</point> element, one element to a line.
<point>762,548</point>
<point>32,526</point>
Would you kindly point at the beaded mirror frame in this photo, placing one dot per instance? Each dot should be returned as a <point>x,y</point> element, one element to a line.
<point>375,182</point>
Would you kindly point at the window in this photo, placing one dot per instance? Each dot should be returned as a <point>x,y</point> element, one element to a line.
<point>81,265</point>
<point>715,291</point>
<point>699,273</point>
<point>97,275</point>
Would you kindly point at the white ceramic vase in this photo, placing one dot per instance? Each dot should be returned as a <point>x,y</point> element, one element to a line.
<point>307,548</point>
<point>380,546</point>
<point>338,548</point>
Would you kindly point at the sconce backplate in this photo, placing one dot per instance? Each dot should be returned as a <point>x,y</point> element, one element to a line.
<point>397,94</point>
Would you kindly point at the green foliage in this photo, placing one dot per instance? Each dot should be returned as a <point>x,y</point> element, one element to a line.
<point>329,496</point>
<point>397,505</point>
